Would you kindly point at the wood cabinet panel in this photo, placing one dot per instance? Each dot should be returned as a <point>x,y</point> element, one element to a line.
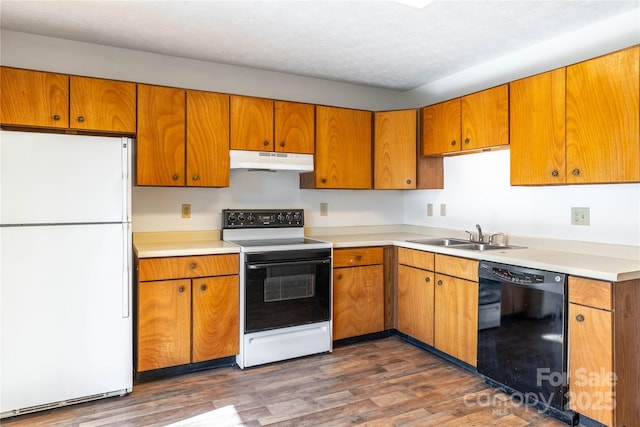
<point>593,293</point>
<point>251,123</point>
<point>456,266</point>
<point>207,139</point>
<point>34,98</point>
<point>188,266</point>
<point>294,127</point>
<point>441,127</point>
<point>357,257</point>
<point>537,129</point>
<point>416,258</point>
<point>590,384</point>
<point>343,149</point>
<point>358,301</point>
<point>603,120</point>
<point>216,317</point>
<point>98,104</point>
<point>161,136</point>
<point>456,317</point>
<point>164,324</point>
<point>416,303</point>
<point>395,140</point>
<point>485,118</point>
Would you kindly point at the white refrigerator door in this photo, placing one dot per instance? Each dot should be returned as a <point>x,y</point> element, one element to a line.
<point>65,303</point>
<point>51,179</point>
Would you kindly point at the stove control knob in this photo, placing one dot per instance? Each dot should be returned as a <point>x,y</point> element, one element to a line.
<point>240,216</point>
<point>280,217</point>
<point>232,217</point>
<point>289,217</point>
<point>251,218</point>
<point>297,217</point>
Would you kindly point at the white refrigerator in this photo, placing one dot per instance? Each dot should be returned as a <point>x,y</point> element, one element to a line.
<point>65,270</point>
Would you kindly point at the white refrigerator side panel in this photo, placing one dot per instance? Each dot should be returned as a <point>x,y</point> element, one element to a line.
<point>51,178</point>
<point>65,333</point>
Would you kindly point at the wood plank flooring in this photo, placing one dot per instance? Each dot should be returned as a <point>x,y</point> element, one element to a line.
<point>386,382</point>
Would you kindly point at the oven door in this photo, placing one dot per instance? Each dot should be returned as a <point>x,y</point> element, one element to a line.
<point>287,288</point>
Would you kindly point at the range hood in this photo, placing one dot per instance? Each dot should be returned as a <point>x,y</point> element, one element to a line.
<point>270,161</point>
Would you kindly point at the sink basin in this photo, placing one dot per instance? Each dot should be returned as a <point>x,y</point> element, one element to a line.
<point>463,244</point>
<point>442,242</point>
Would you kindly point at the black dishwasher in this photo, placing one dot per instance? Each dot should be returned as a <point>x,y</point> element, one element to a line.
<point>522,334</point>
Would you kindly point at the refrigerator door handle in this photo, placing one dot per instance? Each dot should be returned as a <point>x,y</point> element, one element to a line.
<point>126,183</point>
<point>127,274</point>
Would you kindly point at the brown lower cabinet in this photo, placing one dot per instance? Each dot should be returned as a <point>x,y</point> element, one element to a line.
<point>187,310</point>
<point>604,369</point>
<point>358,292</point>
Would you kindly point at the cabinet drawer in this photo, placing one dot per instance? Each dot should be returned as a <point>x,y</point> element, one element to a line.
<point>593,293</point>
<point>457,267</point>
<point>357,256</point>
<point>415,258</point>
<point>189,266</point>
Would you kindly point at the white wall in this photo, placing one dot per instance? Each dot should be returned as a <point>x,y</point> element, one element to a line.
<point>476,186</point>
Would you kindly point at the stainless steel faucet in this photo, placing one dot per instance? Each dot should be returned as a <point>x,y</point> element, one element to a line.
<point>480,236</point>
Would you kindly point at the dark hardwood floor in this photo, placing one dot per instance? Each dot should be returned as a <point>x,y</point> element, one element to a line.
<point>386,382</point>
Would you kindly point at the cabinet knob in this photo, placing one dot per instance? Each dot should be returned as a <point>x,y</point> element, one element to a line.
<point>439,282</point>
<point>580,318</point>
<point>466,140</point>
<point>427,279</point>
<point>358,257</point>
<point>81,119</point>
<point>453,143</point>
<point>195,177</point>
<point>265,143</point>
<point>339,277</point>
<point>203,287</point>
<point>408,181</point>
<point>281,143</point>
<point>192,266</point>
<point>323,180</point>
<point>554,173</point>
<point>175,177</point>
<point>575,172</point>
<point>181,289</point>
<point>56,117</point>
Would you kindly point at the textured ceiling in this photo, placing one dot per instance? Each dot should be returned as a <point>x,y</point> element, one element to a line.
<point>375,43</point>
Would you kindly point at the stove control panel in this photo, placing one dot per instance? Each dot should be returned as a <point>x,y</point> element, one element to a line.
<point>262,218</point>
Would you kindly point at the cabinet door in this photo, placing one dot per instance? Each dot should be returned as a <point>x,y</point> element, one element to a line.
<point>164,324</point>
<point>441,128</point>
<point>161,133</point>
<point>98,104</point>
<point>603,130</point>
<point>395,149</point>
<point>294,127</point>
<point>251,123</point>
<point>207,139</point>
<point>537,129</point>
<point>485,118</point>
<point>343,148</point>
<point>415,303</point>
<point>591,363</point>
<point>456,318</point>
<point>358,301</point>
<point>216,317</point>
<point>34,98</point>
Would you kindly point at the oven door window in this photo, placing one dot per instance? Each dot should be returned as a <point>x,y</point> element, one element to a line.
<point>281,294</point>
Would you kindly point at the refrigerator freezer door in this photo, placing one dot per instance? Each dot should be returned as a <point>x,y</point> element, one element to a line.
<point>65,333</point>
<point>51,179</point>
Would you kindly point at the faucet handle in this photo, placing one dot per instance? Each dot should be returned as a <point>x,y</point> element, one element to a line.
<point>491,238</point>
<point>470,233</point>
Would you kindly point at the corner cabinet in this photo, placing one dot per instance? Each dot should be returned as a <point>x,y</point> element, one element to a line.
<point>187,310</point>
<point>260,124</point>
<point>183,138</point>
<point>579,124</point>
<point>604,372</point>
<point>476,121</point>
<point>343,156</point>
<point>50,100</point>
<point>358,292</point>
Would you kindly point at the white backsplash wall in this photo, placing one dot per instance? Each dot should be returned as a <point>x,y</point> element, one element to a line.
<point>477,191</point>
<point>159,209</point>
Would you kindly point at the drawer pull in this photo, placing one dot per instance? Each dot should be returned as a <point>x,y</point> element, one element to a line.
<point>192,266</point>
<point>580,318</point>
<point>339,277</point>
<point>203,287</point>
<point>358,258</point>
<point>181,289</point>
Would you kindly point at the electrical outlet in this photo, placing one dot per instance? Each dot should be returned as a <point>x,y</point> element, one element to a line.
<point>580,216</point>
<point>186,210</point>
<point>324,209</point>
<point>429,209</point>
<point>443,209</point>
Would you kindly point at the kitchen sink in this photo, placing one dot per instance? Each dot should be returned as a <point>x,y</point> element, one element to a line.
<point>442,242</point>
<point>463,244</point>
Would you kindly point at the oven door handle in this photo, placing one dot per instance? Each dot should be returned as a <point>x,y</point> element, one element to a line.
<point>257,266</point>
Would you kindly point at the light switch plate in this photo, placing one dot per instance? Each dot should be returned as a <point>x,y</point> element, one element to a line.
<point>324,209</point>
<point>186,210</point>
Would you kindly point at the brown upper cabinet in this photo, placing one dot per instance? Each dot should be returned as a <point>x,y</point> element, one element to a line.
<point>343,158</point>
<point>183,138</point>
<point>41,99</point>
<point>476,121</point>
<point>260,124</point>
<point>578,124</point>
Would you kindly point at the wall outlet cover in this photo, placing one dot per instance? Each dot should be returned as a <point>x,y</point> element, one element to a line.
<point>580,216</point>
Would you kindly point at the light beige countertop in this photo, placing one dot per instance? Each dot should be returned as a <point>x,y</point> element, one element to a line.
<point>576,258</point>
